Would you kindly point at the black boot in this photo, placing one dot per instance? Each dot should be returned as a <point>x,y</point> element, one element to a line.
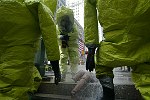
<point>108,87</point>
<point>56,69</point>
<point>108,94</point>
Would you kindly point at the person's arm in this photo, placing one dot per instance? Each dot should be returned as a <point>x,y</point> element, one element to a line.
<point>90,24</point>
<point>48,30</point>
<point>91,32</point>
<point>49,35</point>
<point>52,4</point>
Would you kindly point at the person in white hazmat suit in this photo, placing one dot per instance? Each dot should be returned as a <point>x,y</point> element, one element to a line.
<point>68,41</point>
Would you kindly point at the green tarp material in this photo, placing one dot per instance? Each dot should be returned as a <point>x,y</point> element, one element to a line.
<point>21,25</point>
<point>126,27</point>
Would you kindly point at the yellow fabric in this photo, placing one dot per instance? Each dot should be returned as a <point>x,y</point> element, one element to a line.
<point>90,23</point>
<point>70,53</point>
<point>23,22</point>
<point>126,31</point>
<point>141,78</point>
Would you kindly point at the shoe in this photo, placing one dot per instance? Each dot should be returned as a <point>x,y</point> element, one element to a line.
<point>108,87</point>
<point>108,94</point>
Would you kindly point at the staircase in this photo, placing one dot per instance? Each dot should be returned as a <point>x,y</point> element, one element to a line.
<point>124,89</point>
<point>49,91</point>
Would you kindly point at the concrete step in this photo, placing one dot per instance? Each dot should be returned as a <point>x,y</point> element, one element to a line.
<point>51,88</point>
<point>124,89</point>
<point>62,91</point>
<point>127,92</point>
<point>65,88</point>
<point>40,96</point>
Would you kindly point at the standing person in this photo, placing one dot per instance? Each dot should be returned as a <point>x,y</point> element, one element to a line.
<point>68,41</point>
<point>23,23</point>
<point>127,41</point>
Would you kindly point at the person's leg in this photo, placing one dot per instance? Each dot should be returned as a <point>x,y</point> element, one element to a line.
<point>74,59</point>
<point>141,78</point>
<point>63,62</point>
<point>18,75</point>
<point>105,76</point>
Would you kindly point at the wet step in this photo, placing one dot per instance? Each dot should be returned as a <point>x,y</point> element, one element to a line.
<point>127,92</point>
<point>62,91</point>
<point>124,89</point>
<point>124,86</point>
<point>40,96</point>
